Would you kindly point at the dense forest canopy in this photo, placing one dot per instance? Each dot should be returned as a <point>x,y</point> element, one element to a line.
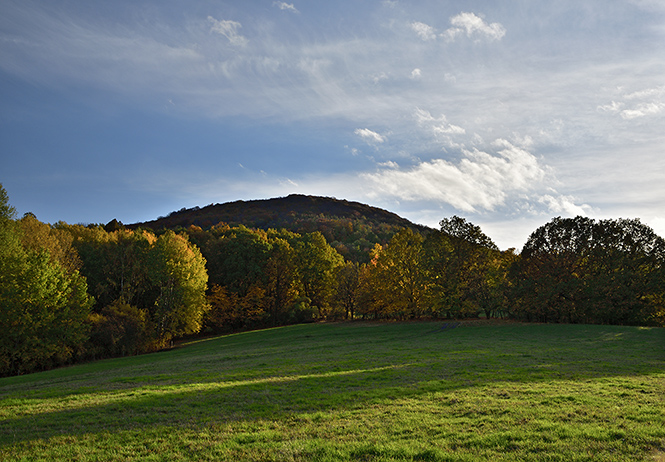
<point>75,292</point>
<point>351,228</point>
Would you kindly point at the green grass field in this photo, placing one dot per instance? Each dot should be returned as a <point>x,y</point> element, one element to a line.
<point>403,391</point>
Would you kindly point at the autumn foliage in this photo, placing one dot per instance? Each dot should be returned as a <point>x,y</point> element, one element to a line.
<point>74,292</point>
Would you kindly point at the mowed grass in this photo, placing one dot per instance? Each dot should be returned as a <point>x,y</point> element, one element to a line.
<point>359,391</point>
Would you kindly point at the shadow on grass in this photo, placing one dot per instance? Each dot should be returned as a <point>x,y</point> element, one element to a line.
<point>321,374</point>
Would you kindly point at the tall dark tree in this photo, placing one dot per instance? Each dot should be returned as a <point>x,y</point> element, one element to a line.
<point>464,269</point>
<point>580,270</point>
<point>119,329</point>
<point>463,230</point>
<point>237,258</point>
<point>347,288</point>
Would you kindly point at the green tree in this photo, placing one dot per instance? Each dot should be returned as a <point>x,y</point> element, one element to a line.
<point>236,258</point>
<point>43,306</point>
<point>579,270</point>
<point>163,277</point>
<point>120,329</point>
<point>44,314</point>
<point>317,262</point>
<point>467,232</point>
<point>547,278</point>
<point>115,264</point>
<point>7,212</point>
<point>36,235</point>
<point>627,269</point>
<point>282,287</point>
<point>501,285</point>
<point>444,273</point>
<point>464,270</point>
<point>273,276</point>
<point>177,271</point>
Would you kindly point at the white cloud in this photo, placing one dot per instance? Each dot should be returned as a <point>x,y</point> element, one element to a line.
<point>438,125</point>
<point>642,103</point>
<point>473,26</point>
<point>524,141</point>
<point>643,109</point>
<point>656,92</point>
<point>369,136</point>
<point>424,31</point>
<point>286,6</point>
<point>333,76</point>
<point>228,29</point>
<point>564,204</point>
<point>657,224</point>
<point>480,181</point>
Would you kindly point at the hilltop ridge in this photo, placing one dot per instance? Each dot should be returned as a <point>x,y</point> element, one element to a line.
<point>353,228</point>
<point>275,212</point>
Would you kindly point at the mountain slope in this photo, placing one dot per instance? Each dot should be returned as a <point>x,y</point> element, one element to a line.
<point>351,227</point>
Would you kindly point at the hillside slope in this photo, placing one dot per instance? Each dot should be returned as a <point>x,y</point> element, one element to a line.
<point>351,227</point>
<point>276,212</point>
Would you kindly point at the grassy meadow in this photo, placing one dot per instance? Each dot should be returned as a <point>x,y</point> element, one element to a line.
<point>356,391</point>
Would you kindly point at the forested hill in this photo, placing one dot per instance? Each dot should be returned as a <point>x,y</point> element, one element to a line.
<point>351,227</point>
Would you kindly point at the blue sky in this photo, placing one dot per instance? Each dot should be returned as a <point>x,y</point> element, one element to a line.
<point>506,113</point>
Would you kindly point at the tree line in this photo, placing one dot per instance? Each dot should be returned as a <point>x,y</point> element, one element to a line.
<point>71,292</point>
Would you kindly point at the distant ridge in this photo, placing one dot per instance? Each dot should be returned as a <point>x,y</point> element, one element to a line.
<point>275,212</point>
<point>352,227</point>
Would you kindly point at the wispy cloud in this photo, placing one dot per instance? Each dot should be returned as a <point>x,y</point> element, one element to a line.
<point>396,76</point>
<point>229,29</point>
<point>642,103</point>
<point>369,136</point>
<point>438,125</point>
<point>642,110</point>
<point>424,31</point>
<point>286,6</point>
